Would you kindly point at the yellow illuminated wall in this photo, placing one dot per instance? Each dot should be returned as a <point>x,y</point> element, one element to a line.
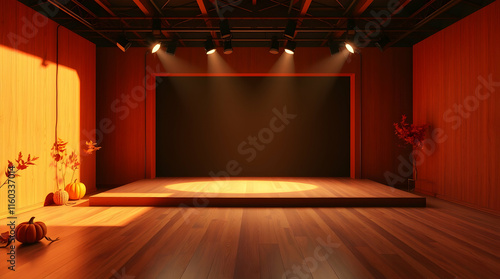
<point>28,100</point>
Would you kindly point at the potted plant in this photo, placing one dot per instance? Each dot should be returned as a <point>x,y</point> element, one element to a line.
<point>413,135</point>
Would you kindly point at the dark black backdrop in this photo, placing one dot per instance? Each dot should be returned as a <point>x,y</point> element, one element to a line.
<point>238,126</point>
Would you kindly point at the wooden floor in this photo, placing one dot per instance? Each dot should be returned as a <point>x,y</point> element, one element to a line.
<point>267,192</point>
<point>442,240</point>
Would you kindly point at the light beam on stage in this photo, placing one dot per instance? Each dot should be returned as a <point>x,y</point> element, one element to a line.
<point>331,64</point>
<point>285,64</point>
<point>224,114</point>
<point>241,186</point>
<point>217,64</point>
<point>174,64</point>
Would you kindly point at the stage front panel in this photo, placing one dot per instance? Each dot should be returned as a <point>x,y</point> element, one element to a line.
<point>252,126</point>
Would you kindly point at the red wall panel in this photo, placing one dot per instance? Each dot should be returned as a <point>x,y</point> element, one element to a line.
<point>450,94</point>
<point>120,74</point>
<point>387,86</point>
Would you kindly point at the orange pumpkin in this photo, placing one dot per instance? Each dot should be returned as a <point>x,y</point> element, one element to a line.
<point>29,232</point>
<point>76,190</point>
<point>61,197</point>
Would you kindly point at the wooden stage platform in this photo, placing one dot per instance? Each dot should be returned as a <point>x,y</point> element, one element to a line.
<point>257,192</point>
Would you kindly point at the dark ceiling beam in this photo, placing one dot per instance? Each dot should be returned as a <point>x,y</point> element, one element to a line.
<point>240,30</point>
<point>357,8</point>
<point>150,9</point>
<point>422,8</point>
<point>288,6</point>
<point>158,9</point>
<point>84,8</point>
<point>349,8</point>
<point>105,5</point>
<point>146,7</point>
<point>305,7</point>
<point>402,5</point>
<point>475,3</point>
<point>164,5</point>
<point>248,18</point>
<point>204,12</point>
<point>340,4</point>
<point>361,7</point>
<point>262,39</point>
<point>303,12</point>
<point>79,19</point>
<point>426,20</point>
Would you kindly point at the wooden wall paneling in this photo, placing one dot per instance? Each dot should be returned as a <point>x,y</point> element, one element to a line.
<point>387,86</point>
<point>27,89</point>
<point>448,68</point>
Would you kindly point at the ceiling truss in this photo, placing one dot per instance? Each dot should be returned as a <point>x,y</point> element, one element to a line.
<point>254,23</point>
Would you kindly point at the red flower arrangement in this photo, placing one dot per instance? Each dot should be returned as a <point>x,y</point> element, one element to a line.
<point>411,134</point>
<point>21,165</point>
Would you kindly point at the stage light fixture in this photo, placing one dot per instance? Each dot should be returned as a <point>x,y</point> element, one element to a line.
<point>228,46</point>
<point>209,46</point>
<point>290,47</point>
<point>275,46</point>
<point>334,47</point>
<point>291,25</point>
<point>350,46</point>
<point>172,47</point>
<point>123,44</point>
<point>382,42</point>
<point>225,31</point>
<point>156,47</point>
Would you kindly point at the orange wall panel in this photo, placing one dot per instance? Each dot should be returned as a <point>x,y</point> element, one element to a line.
<point>452,70</point>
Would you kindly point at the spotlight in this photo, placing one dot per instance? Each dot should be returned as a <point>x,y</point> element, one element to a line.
<point>349,46</point>
<point>156,47</point>
<point>156,27</point>
<point>334,47</point>
<point>290,47</point>
<point>382,42</point>
<point>275,46</point>
<point>209,46</point>
<point>290,29</point>
<point>228,47</point>
<point>225,31</point>
<point>172,46</point>
<point>123,44</point>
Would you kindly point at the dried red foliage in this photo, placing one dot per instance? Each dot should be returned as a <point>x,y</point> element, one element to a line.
<point>59,150</point>
<point>21,164</point>
<point>410,133</point>
<point>91,147</point>
<point>72,161</point>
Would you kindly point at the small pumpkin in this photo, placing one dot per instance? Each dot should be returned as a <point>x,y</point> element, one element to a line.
<point>61,197</point>
<point>32,232</point>
<point>76,190</point>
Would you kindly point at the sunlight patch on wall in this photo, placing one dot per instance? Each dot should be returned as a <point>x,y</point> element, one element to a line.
<point>27,119</point>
